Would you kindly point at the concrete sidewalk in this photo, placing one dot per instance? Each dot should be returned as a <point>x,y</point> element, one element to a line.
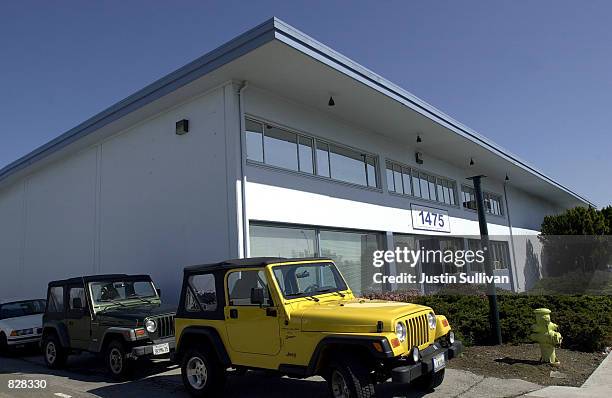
<point>599,384</point>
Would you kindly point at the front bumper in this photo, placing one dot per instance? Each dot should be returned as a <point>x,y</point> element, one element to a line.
<point>408,373</point>
<point>19,341</point>
<point>147,350</point>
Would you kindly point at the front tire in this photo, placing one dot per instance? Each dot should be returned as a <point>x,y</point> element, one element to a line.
<point>350,379</point>
<point>430,380</point>
<point>55,355</point>
<point>202,373</point>
<point>117,361</point>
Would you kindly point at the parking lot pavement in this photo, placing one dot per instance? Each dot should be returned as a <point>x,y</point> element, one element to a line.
<point>85,377</point>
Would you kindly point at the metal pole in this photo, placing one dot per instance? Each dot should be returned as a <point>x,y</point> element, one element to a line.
<point>484,239</point>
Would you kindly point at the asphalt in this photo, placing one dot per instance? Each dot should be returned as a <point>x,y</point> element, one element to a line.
<point>84,377</point>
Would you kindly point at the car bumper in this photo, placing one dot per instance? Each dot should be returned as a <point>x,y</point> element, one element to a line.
<point>19,341</point>
<point>409,373</point>
<point>147,350</point>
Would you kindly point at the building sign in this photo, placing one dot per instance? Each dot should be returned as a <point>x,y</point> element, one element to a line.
<point>429,218</point>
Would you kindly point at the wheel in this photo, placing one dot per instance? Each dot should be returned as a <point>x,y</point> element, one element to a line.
<point>350,379</point>
<point>430,380</point>
<point>117,361</point>
<point>55,355</point>
<point>202,373</point>
<point>3,344</point>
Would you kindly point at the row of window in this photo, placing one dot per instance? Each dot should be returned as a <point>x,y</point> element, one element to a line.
<point>282,148</point>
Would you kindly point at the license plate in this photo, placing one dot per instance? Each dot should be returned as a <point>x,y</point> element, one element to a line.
<point>160,349</point>
<point>439,362</point>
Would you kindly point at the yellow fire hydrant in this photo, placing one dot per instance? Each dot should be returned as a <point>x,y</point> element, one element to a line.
<point>546,335</point>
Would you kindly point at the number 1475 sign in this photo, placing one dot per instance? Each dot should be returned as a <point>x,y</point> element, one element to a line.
<point>429,218</point>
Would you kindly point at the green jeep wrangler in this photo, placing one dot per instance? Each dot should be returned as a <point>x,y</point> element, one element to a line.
<point>119,316</point>
<point>298,317</point>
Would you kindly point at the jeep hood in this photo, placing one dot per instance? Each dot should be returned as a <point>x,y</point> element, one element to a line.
<point>356,315</point>
<point>138,312</point>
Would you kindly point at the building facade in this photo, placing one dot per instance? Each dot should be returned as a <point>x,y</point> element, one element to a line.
<point>291,150</point>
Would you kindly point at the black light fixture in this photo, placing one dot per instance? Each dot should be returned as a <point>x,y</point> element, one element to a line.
<point>419,139</point>
<point>471,162</point>
<point>331,101</point>
<point>418,157</point>
<point>182,127</point>
<point>507,178</point>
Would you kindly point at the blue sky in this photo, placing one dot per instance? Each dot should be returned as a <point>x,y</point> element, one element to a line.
<point>536,77</point>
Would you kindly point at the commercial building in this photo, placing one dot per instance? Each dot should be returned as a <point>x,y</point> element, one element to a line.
<point>272,144</point>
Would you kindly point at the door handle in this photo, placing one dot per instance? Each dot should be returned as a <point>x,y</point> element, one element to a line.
<point>233,313</point>
<point>271,311</point>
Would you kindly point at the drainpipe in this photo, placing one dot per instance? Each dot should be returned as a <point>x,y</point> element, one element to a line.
<point>243,179</point>
<point>513,265</point>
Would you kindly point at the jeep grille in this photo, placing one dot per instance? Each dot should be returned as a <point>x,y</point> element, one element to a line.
<point>165,326</point>
<point>418,331</point>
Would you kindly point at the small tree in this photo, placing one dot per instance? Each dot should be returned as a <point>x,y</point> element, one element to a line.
<point>576,240</point>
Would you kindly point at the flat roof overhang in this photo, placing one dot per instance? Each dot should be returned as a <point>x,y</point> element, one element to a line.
<point>282,60</point>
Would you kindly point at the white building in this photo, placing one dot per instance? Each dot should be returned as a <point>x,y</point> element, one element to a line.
<point>267,167</point>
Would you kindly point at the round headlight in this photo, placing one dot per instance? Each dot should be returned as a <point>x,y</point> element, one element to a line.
<point>400,331</point>
<point>151,326</point>
<point>415,354</point>
<point>431,319</point>
<point>451,338</point>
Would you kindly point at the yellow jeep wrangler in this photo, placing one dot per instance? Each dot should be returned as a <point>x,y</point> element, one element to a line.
<point>298,317</point>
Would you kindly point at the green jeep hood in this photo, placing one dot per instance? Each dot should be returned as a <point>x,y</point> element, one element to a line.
<point>137,312</point>
<point>353,316</point>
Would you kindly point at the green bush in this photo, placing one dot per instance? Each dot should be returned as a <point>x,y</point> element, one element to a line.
<point>585,322</point>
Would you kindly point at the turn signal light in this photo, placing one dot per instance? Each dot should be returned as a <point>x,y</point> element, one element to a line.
<point>395,343</point>
<point>140,332</point>
<point>377,346</point>
<point>444,322</point>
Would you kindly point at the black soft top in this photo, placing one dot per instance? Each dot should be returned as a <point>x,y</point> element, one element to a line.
<point>247,263</point>
<point>96,278</point>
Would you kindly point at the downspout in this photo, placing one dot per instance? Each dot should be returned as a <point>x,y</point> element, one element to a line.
<point>243,179</point>
<point>513,265</point>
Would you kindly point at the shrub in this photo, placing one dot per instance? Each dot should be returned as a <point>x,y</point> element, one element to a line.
<point>585,322</point>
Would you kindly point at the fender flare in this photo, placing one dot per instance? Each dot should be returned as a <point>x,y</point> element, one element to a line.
<point>60,330</point>
<point>210,334</point>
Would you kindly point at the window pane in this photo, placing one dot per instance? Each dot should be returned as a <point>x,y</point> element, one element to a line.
<point>347,165</point>
<point>397,176</point>
<point>424,186</point>
<point>390,183</point>
<point>323,159</point>
<point>205,291</point>
<point>56,299</point>
<point>305,149</point>
<point>371,169</point>
<point>453,193</point>
<point>254,141</point>
<point>352,252</point>
<point>269,241</point>
<point>440,189</point>
<point>416,186</point>
<point>241,283</point>
<point>280,148</point>
<point>406,180</point>
<point>432,188</point>
<point>76,292</point>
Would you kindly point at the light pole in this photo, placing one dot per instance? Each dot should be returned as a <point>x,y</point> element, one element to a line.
<point>488,265</point>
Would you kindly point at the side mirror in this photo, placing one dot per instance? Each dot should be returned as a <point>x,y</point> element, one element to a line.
<point>77,304</point>
<point>158,292</point>
<point>257,296</point>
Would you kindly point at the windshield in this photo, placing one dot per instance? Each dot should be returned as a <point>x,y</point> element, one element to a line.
<point>105,292</point>
<point>22,308</point>
<point>301,280</point>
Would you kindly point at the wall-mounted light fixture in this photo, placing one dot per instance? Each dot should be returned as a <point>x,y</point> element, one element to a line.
<point>419,139</point>
<point>331,101</point>
<point>182,127</point>
<point>507,178</point>
<point>471,162</point>
<point>418,157</point>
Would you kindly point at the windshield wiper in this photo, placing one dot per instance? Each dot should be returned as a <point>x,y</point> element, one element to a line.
<point>140,298</point>
<point>114,302</point>
<point>302,295</point>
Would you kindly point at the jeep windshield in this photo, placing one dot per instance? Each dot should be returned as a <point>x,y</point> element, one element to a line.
<point>308,279</point>
<point>120,292</point>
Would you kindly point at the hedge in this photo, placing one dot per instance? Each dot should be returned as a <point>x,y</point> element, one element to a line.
<point>585,322</point>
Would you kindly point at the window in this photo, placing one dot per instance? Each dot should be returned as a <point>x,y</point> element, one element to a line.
<point>76,293</point>
<point>500,254</point>
<point>56,299</point>
<point>293,151</point>
<point>110,291</point>
<point>492,202</point>
<point>298,280</point>
<point>407,181</point>
<point>202,290</point>
<point>22,308</point>
<point>241,284</point>
<point>282,241</point>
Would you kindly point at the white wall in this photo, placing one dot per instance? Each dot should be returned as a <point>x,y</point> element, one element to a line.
<point>143,201</point>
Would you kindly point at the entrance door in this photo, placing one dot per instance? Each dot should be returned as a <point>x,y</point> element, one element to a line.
<point>251,317</point>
